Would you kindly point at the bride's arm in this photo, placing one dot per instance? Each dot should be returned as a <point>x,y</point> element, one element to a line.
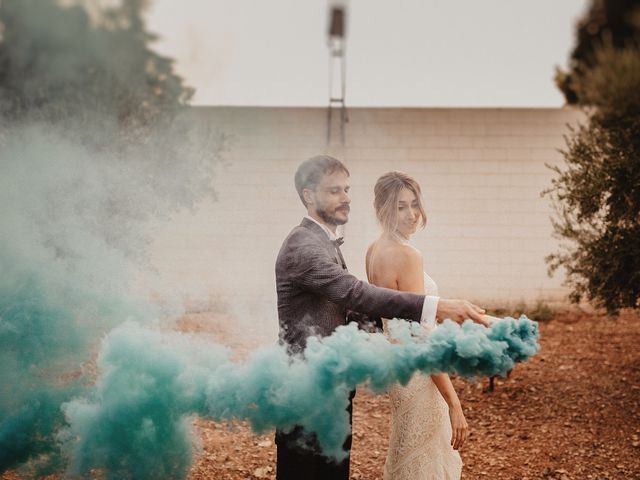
<point>410,270</point>
<point>459,426</point>
<point>411,279</point>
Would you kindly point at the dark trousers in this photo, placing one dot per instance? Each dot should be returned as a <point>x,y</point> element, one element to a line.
<point>299,456</point>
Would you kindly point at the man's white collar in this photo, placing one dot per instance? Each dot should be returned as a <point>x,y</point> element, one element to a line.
<point>332,236</point>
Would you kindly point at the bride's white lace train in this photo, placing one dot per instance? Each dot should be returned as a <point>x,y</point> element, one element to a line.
<point>420,440</point>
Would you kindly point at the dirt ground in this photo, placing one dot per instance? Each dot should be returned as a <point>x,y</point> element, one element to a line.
<point>572,412</point>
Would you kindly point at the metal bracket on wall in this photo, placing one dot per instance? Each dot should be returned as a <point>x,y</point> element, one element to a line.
<point>337,69</point>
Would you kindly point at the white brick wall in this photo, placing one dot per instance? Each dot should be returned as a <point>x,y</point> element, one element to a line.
<point>481,171</point>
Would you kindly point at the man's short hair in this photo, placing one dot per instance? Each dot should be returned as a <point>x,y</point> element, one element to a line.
<point>311,171</point>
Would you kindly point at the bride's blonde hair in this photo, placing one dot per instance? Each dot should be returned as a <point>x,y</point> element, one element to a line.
<point>386,193</point>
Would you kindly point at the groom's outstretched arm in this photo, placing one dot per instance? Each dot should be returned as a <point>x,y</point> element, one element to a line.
<point>317,271</point>
<point>311,267</point>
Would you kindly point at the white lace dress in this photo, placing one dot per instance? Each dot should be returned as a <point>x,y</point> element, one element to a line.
<point>420,438</point>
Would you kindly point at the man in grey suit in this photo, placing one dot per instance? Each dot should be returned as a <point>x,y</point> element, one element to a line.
<point>316,294</point>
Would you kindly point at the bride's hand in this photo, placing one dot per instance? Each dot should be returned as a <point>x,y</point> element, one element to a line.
<point>459,426</point>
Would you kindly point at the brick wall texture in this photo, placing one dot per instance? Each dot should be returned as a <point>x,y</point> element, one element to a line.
<point>481,172</point>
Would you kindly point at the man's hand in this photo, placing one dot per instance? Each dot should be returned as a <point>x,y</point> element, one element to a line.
<point>459,311</point>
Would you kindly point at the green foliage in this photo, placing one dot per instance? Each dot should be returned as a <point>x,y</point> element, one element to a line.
<point>615,23</point>
<point>597,193</point>
<point>540,312</point>
<point>63,61</point>
<point>79,84</point>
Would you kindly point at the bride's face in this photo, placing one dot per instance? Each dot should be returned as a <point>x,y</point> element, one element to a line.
<point>408,213</point>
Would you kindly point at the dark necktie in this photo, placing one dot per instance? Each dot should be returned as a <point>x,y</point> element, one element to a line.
<point>337,242</point>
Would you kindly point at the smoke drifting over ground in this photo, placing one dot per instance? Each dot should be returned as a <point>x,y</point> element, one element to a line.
<point>77,221</point>
<point>136,422</point>
<point>93,156</point>
<point>76,224</point>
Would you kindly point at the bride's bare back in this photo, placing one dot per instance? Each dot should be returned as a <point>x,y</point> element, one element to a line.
<point>396,265</point>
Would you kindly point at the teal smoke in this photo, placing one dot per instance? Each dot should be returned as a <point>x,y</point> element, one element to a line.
<point>73,218</point>
<point>61,288</point>
<point>136,422</point>
<point>47,327</point>
<point>76,224</point>
<point>96,148</point>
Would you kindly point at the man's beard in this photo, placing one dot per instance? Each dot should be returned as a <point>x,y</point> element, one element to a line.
<point>330,218</point>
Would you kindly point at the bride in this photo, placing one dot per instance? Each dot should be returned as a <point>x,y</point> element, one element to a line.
<point>427,423</point>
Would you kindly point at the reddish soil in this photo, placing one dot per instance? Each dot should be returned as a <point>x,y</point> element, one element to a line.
<point>572,412</point>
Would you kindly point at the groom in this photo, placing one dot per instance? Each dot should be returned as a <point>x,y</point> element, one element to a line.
<point>316,294</point>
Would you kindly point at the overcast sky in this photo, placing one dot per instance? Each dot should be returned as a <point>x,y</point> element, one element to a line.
<point>399,52</point>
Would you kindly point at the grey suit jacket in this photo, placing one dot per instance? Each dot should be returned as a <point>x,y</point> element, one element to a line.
<point>315,291</point>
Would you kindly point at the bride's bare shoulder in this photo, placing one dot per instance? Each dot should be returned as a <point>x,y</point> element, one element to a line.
<point>409,254</point>
<point>388,253</point>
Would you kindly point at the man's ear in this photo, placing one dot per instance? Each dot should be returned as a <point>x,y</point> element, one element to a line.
<point>307,195</point>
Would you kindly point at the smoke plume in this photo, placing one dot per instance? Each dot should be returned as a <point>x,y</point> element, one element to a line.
<point>136,422</point>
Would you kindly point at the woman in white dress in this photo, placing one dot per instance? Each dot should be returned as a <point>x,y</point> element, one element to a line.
<point>427,422</point>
